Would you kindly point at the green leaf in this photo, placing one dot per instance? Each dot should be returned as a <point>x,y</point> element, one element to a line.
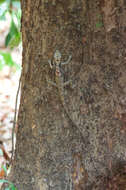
<point>18,17</point>
<point>13,31</point>
<point>2,1</point>
<point>4,168</point>
<point>7,59</point>
<point>11,185</point>
<point>15,40</point>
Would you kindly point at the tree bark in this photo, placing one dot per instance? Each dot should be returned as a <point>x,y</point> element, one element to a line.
<point>51,151</point>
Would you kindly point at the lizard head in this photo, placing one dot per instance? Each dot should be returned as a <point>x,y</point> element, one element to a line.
<point>57,57</point>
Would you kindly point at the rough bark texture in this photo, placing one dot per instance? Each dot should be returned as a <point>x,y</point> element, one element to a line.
<point>51,153</point>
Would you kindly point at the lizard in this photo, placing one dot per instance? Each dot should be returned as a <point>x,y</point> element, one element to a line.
<point>60,84</point>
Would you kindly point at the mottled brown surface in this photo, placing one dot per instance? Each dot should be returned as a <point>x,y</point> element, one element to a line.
<point>94,32</point>
<point>117,181</point>
<point>79,174</point>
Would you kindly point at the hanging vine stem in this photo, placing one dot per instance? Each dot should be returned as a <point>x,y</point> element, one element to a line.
<point>15,120</point>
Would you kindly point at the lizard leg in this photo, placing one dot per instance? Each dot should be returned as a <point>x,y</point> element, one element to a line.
<point>50,64</point>
<point>52,83</point>
<point>68,82</point>
<point>66,62</point>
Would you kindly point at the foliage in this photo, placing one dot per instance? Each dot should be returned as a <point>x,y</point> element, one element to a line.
<point>13,38</point>
<point>10,185</point>
<point>6,59</point>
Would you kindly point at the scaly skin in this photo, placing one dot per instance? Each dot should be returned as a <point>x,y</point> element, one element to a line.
<point>60,84</point>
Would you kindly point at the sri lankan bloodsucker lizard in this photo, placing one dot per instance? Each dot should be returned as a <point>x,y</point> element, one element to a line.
<point>60,84</point>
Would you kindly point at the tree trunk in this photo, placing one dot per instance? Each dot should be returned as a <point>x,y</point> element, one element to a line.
<point>67,146</point>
